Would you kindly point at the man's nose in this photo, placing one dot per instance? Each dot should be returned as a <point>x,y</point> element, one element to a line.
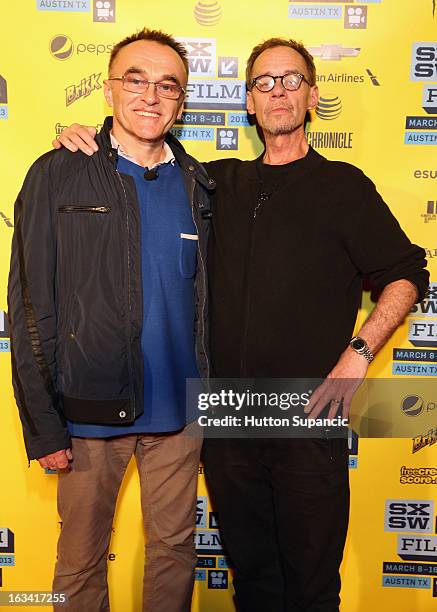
<point>150,96</point>
<point>278,89</point>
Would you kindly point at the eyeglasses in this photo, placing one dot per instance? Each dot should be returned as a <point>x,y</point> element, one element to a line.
<point>136,84</point>
<point>290,81</point>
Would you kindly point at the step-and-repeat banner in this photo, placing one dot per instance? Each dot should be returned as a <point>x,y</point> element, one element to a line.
<point>377,74</point>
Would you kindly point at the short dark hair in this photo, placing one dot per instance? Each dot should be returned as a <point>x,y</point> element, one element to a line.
<point>281,42</point>
<point>155,36</point>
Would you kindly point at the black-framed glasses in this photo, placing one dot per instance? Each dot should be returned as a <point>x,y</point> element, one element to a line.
<point>135,83</point>
<point>290,81</point>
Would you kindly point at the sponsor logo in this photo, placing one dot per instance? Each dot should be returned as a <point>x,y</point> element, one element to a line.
<point>422,333</point>
<point>3,90</point>
<point>227,140</point>
<point>315,11</point>
<point>69,6</point>
<point>425,174</point>
<point>394,567</point>
<point>355,17</point>
<point>330,140</point>
<point>411,548</point>
<point>6,219</point>
<point>328,108</point>
<point>408,515</point>
<point>201,55</point>
<point>372,77</point>
<point>61,47</point>
<point>418,475</point>
<point>207,12</point>
<point>208,542</point>
<point>428,306</point>
<point>82,89</point>
<point>431,212</point>
<point>4,324</point>
<point>217,579</point>
<point>334,51</point>
<point>412,405</point>
<point>427,439</point>
<point>424,62</point>
<point>406,582</point>
<point>434,3</point>
<point>216,95</point>
<point>228,67</point>
<point>201,512</point>
<point>349,78</point>
<point>59,128</point>
<point>104,11</point>
<point>429,99</point>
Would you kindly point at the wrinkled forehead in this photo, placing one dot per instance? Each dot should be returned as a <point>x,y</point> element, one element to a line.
<point>279,60</point>
<point>154,59</point>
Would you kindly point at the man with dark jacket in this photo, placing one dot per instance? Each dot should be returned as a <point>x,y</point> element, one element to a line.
<point>293,235</point>
<point>107,282</point>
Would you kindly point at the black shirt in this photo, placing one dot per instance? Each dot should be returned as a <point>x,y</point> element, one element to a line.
<point>286,285</point>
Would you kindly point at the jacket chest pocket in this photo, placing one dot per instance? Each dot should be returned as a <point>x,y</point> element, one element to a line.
<point>188,255</point>
<point>100,210</point>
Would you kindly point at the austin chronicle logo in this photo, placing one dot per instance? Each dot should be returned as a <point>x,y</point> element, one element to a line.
<point>61,47</point>
<point>207,12</point>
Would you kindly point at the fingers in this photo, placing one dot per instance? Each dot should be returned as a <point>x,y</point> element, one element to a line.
<point>60,460</point>
<point>56,144</point>
<point>79,138</point>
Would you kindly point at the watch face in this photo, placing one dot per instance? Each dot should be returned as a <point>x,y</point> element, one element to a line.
<point>358,344</point>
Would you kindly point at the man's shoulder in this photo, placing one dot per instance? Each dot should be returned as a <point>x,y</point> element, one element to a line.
<point>218,168</point>
<point>341,169</point>
<point>60,162</point>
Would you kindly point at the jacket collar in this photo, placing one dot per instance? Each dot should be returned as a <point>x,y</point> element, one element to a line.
<point>188,164</point>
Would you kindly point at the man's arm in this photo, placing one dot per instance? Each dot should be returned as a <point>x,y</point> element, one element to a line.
<point>393,306</point>
<point>77,137</point>
<point>33,321</point>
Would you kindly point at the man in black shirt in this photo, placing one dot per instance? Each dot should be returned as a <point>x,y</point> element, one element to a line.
<point>286,227</point>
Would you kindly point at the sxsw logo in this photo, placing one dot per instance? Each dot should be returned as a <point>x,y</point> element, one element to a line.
<point>409,515</point>
<point>424,62</point>
<point>429,99</point>
<point>422,333</point>
<point>6,541</point>
<point>201,55</point>
<point>4,326</point>
<point>428,306</point>
<point>217,579</point>
<point>418,548</point>
<point>201,512</point>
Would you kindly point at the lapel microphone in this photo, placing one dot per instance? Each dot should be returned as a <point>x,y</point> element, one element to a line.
<point>151,175</point>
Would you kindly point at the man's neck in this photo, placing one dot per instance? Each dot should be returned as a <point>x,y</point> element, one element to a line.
<point>285,148</point>
<point>144,152</point>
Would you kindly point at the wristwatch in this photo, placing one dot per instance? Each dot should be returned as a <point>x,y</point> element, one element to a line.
<point>359,345</point>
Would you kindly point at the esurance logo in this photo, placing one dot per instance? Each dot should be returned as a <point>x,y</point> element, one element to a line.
<point>82,89</point>
<point>424,62</point>
<point>414,515</point>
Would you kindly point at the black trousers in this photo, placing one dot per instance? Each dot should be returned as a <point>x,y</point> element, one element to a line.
<point>283,509</point>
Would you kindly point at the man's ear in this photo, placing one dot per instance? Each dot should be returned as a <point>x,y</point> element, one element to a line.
<point>249,103</point>
<point>107,92</point>
<point>314,97</point>
<point>181,109</point>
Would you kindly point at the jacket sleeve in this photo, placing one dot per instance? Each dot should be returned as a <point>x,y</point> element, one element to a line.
<point>32,317</point>
<point>378,245</point>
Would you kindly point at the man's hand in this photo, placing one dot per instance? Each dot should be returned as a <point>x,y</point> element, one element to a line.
<point>60,460</point>
<point>340,385</point>
<point>77,137</point>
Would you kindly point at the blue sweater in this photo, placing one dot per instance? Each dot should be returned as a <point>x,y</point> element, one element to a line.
<point>168,257</point>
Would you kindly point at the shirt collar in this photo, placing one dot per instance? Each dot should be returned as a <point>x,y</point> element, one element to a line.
<point>169,158</point>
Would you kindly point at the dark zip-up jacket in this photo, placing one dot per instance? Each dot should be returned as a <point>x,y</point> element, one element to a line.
<point>75,292</point>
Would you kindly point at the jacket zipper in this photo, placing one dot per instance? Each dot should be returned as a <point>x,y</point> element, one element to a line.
<point>201,322</point>
<point>129,295</point>
<point>91,209</point>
